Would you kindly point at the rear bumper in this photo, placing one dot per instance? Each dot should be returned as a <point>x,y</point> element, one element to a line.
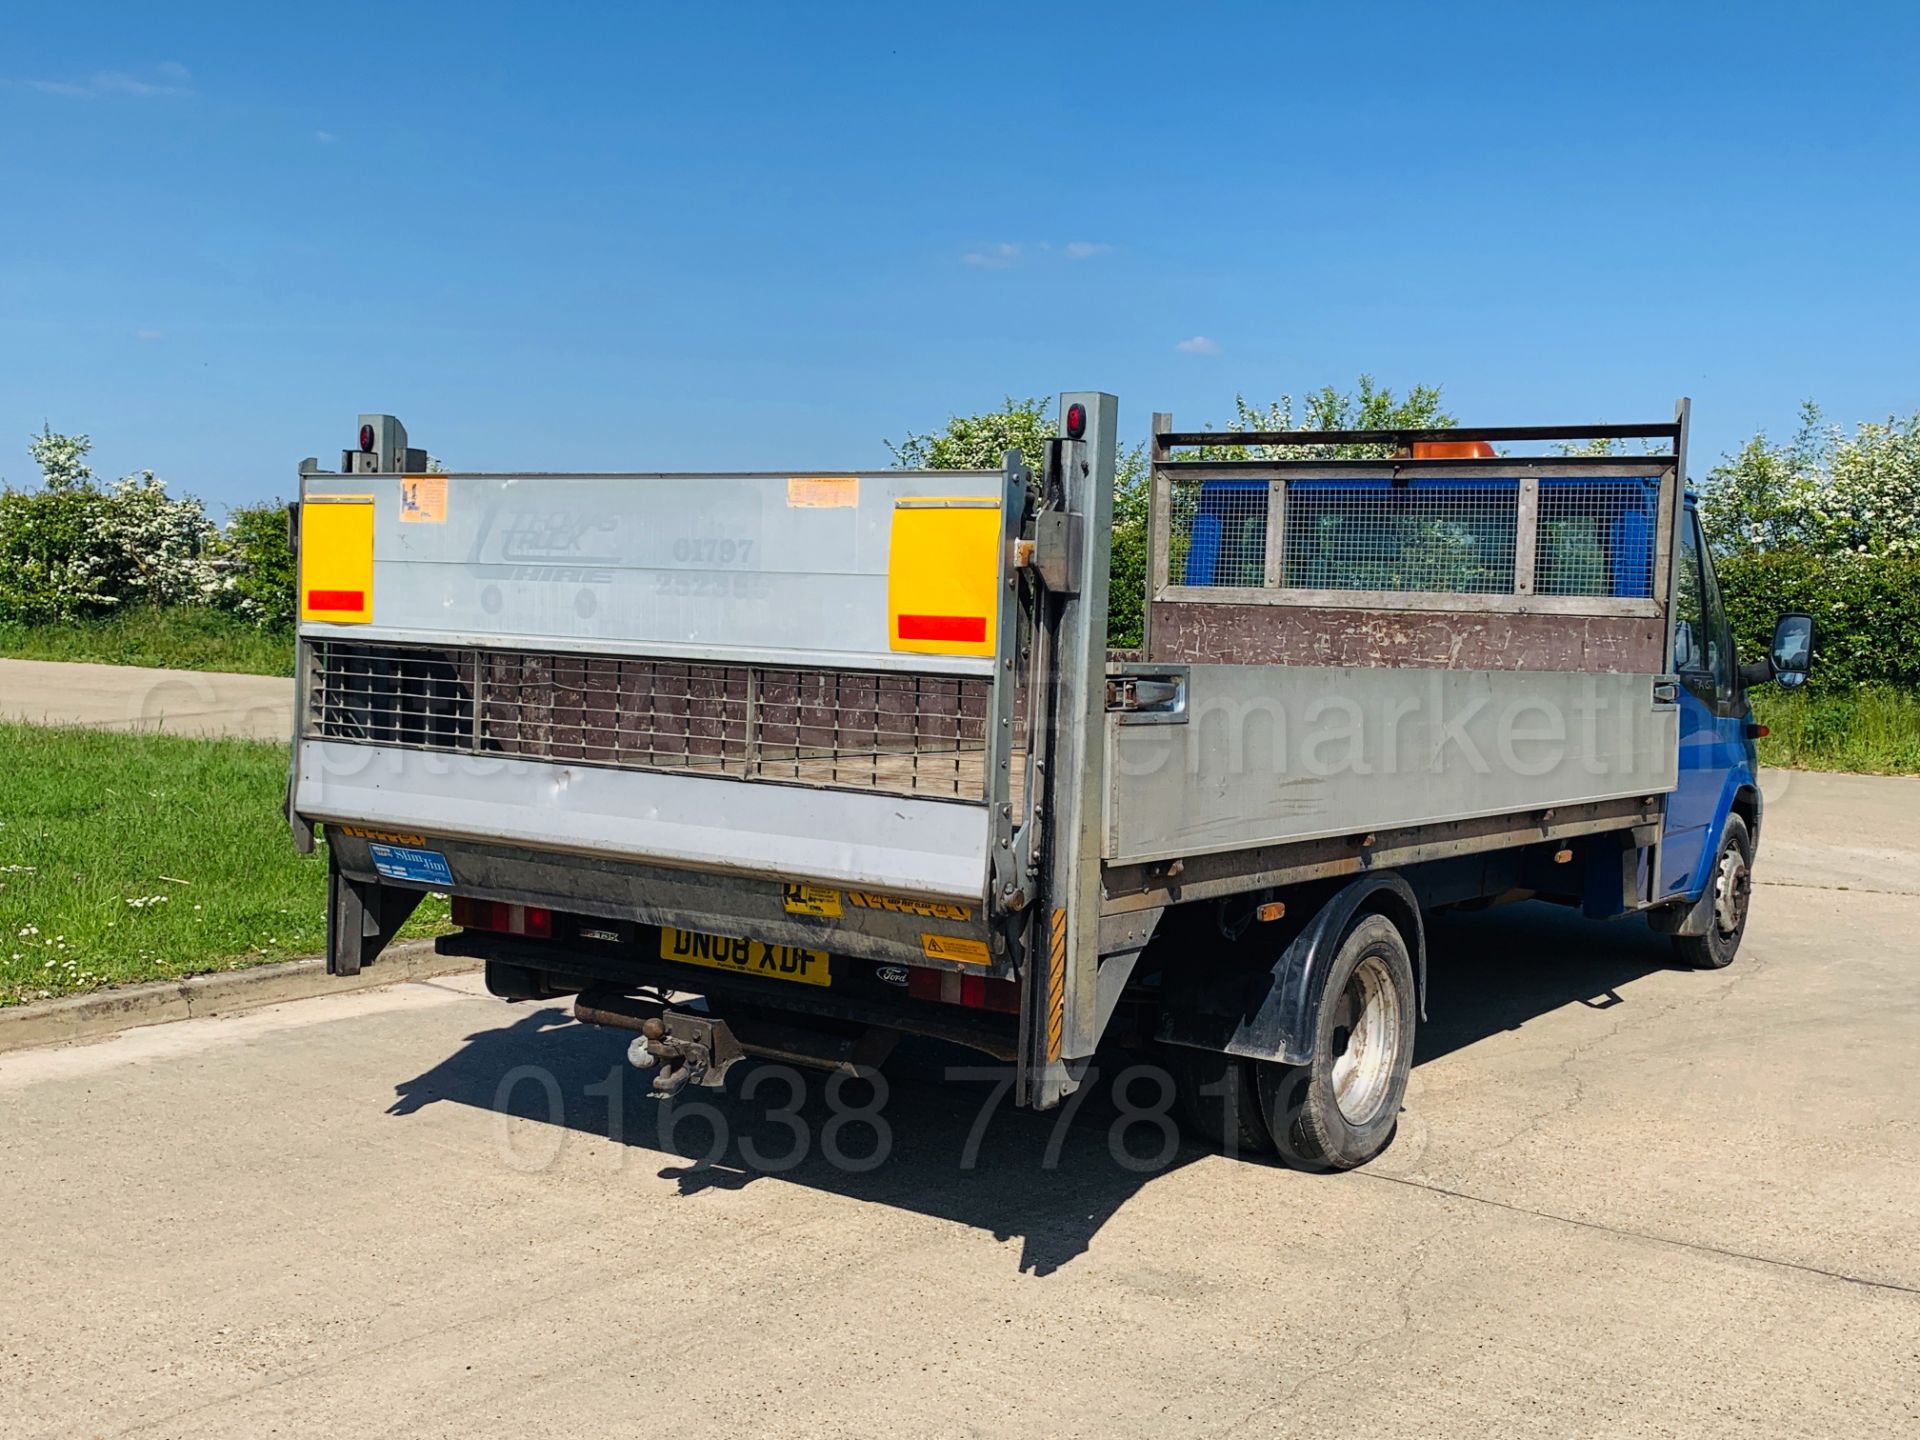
<point>874,926</point>
<point>857,997</point>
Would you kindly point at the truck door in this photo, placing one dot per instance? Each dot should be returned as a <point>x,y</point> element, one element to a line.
<point>1708,702</point>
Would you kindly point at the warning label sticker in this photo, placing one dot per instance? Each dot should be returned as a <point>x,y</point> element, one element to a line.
<point>955,947</point>
<point>811,900</point>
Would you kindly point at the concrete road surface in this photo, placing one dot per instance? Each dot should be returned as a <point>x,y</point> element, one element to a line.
<point>129,697</point>
<point>1625,1200</point>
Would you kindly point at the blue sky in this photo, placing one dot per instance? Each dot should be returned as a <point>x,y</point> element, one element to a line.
<point>769,236</point>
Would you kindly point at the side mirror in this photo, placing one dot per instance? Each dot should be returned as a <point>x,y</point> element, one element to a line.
<point>1792,654</point>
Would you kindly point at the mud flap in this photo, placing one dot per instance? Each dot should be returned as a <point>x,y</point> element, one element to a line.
<point>363,916</point>
<point>1687,918</point>
<point>1267,1013</point>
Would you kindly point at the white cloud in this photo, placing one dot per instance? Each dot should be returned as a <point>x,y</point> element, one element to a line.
<point>149,334</point>
<point>325,137</point>
<point>1016,252</point>
<point>1198,345</point>
<point>995,257</point>
<point>167,79</point>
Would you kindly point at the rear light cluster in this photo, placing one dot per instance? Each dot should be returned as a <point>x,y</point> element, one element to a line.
<point>497,915</point>
<point>976,992</point>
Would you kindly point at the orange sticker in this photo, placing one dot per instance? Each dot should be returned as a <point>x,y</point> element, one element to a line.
<point>423,499</point>
<point>823,492</point>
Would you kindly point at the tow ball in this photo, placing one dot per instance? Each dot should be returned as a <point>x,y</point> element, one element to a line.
<point>679,1047</point>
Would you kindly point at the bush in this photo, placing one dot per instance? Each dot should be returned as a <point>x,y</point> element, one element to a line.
<point>256,566</point>
<point>49,559</point>
<point>1865,609</point>
<point>980,442</point>
<point>1127,575</point>
<point>75,549</point>
<point>1823,490</point>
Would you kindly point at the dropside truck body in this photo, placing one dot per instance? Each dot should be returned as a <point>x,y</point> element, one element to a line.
<point>845,752</point>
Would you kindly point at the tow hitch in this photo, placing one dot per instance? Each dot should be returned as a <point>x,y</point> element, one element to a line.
<point>684,1048</point>
<point>681,1048</point>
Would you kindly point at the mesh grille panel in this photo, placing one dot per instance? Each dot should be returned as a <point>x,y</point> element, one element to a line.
<point>1346,535</point>
<point>1218,532</point>
<point>910,734</point>
<point>1596,538</point>
<point>391,695</point>
<point>1454,539</point>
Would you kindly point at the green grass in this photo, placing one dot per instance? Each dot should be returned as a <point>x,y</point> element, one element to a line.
<point>1874,730</point>
<point>181,637</point>
<point>140,857</point>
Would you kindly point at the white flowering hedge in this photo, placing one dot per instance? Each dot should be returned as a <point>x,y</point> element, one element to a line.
<point>78,548</point>
<point>1829,524</point>
<point>75,547</point>
<point>1824,491</point>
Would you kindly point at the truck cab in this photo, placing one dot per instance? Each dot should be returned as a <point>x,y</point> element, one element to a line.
<point>1713,816</point>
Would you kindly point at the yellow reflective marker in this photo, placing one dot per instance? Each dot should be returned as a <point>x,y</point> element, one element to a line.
<point>943,576</point>
<point>336,559</point>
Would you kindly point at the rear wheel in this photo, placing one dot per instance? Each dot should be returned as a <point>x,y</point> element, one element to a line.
<point>1339,1110</point>
<point>1731,886</point>
<point>1219,1100</point>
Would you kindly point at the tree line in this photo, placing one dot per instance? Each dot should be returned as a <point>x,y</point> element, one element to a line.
<point>1826,520</point>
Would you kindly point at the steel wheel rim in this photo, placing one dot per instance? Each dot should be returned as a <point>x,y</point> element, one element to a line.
<point>1367,1041</point>
<point>1731,887</point>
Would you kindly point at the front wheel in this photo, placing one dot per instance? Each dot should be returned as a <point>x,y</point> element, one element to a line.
<point>1339,1110</point>
<point>1731,886</point>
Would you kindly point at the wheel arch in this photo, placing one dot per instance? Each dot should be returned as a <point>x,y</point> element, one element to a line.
<point>1219,1001</point>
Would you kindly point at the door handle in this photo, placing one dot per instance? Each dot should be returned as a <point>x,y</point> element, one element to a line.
<point>1148,699</point>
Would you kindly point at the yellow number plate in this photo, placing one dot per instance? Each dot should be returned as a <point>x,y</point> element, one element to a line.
<point>745,957</point>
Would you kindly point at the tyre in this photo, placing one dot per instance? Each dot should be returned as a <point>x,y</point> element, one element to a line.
<point>1340,1110</point>
<point>1219,1101</point>
<point>1731,886</point>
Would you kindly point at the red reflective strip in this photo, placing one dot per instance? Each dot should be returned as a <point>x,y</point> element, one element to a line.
<point>336,599</point>
<point>970,628</point>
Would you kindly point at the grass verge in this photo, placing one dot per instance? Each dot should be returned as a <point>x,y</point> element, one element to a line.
<point>1874,730</point>
<point>180,637</point>
<point>146,857</point>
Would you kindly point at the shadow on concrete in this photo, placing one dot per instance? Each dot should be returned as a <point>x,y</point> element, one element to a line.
<point>954,1147</point>
<point>1492,971</point>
